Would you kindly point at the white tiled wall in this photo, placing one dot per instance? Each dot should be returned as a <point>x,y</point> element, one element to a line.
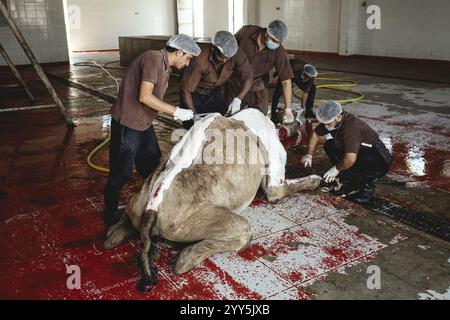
<point>313,25</point>
<point>409,28</point>
<point>42,24</point>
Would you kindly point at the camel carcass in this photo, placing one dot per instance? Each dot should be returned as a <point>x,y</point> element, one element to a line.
<point>199,190</point>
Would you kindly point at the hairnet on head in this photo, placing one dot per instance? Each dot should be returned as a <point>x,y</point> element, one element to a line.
<point>328,111</point>
<point>185,43</point>
<point>226,43</point>
<point>310,70</point>
<point>278,30</point>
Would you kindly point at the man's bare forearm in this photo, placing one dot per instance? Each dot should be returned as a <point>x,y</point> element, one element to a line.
<point>304,99</point>
<point>313,141</point>
<point>245,89</point>
<point>287,92</point>
<point>347,161</point>
<point>154,103</point>
<point>187,100</point>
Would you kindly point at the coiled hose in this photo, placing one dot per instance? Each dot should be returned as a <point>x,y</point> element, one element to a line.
<point>342,85</point>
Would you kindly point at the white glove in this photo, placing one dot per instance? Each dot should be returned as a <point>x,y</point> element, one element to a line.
<point>307,160</point>
<point>183,114</point>
<point>331,174</point>
<point>235,106</point>
<point>288,116</point>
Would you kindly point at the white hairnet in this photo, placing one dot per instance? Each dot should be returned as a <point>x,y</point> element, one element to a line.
<point>278,30</point>
<point>310,70</point>
<point>185,43</point>
<point>328,111</point>
<point>226,43</point>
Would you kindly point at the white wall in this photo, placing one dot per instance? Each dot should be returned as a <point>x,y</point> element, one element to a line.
<point>215,16</point>
<point>313,25</point>
<point>103,21</point>
<point>42,24</point>
<point>268,11</point>
<point>410,28</point>
<point>251,16</point>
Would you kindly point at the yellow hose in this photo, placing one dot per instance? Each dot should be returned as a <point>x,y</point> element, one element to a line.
<point>94,152</point>
<point>337,87</point>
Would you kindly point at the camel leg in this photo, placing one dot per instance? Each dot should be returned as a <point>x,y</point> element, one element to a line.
<point>118,232</point>
<point>219,230</point>
<point>291,186</point>
<point>149,271</point>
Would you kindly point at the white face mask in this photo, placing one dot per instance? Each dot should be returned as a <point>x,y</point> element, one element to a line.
<point>271,45</point>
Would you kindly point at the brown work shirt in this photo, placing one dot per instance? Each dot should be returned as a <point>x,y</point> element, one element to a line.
<point>151,66</point>
<point>204,74</point>
<point>350,134</point>
<point>297,67</point>
<point>263,61</point>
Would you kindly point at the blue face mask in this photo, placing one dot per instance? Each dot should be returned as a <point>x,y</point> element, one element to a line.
<point>271,45</point>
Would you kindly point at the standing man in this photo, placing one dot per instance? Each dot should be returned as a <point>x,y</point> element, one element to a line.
<point>201,84</point>
<point>133,139</point>
<point>264,50</point>
<point>356,150</point>
<point>304,75</point>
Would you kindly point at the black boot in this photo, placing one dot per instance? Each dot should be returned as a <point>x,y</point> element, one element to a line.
<point>347,180</point>
<point>111,215</point>
<point>365,195</point>
<point>309,114</point>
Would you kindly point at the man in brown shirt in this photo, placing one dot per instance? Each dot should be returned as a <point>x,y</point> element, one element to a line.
<point>202,81</point>
<point>264,50</point>
<point>304,75</point>
<point>355,150</point>
<point>133,139</point>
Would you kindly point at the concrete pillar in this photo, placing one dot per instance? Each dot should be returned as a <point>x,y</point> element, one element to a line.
<point>350,11</point>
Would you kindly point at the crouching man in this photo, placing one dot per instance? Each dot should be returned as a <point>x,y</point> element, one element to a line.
<point>354,149</point>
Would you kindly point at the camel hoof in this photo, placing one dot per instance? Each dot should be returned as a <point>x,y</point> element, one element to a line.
<point>146,284</point>
<point>108,245</point>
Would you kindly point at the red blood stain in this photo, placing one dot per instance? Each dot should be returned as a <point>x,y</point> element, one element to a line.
<point>252,253</point>
<point>157,191</point>
<point>257,202</point>
<point>302,295</point>
<point>296,277</point>
<point>237,287</point>
<point>421,164</point>
<point>330,263</point>
<point>303,234</point>
<point>337,256</point>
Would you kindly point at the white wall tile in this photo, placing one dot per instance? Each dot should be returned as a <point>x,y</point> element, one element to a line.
<point>42,24</point>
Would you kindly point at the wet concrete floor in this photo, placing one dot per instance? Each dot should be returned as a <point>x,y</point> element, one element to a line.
<point>308,246</point>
